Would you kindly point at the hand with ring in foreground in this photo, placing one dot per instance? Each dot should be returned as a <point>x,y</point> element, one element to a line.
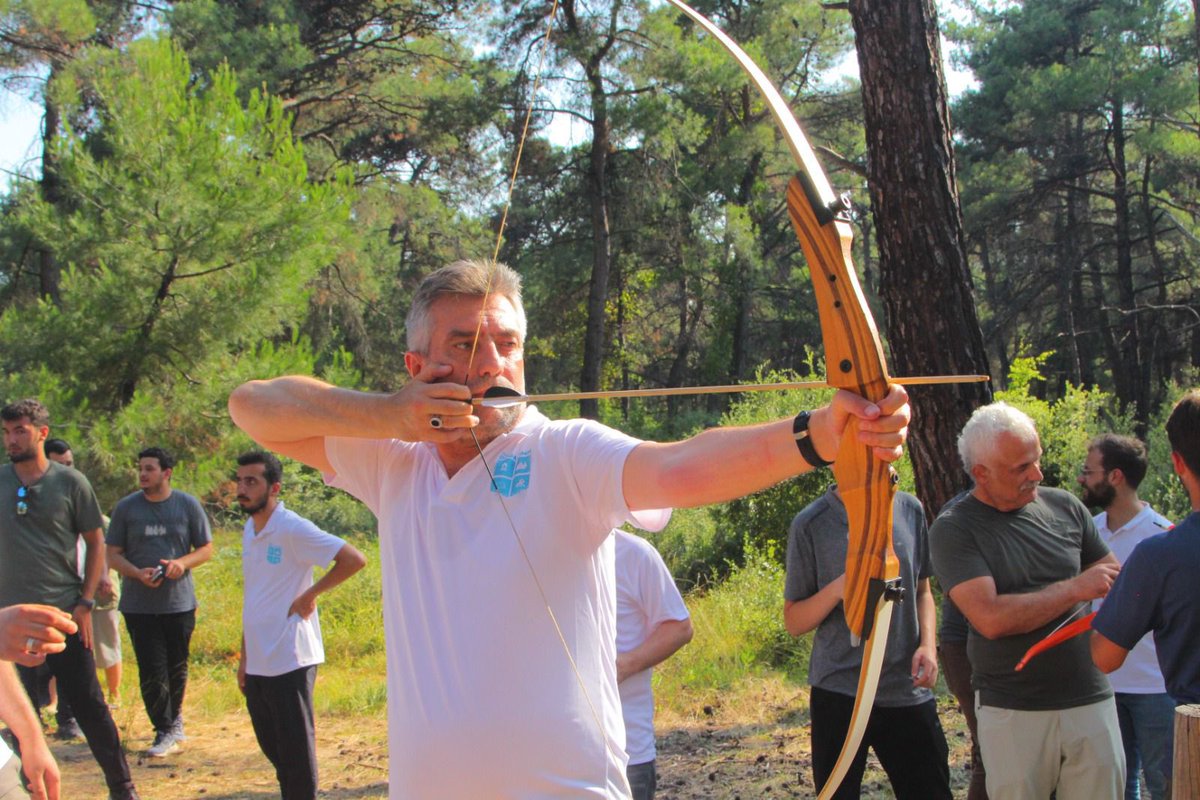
<point>29,632</point>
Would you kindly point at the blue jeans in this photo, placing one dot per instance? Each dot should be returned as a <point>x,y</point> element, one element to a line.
<point>1147,734</point>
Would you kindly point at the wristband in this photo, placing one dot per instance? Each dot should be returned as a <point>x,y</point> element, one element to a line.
<point>88,604</point>
<point>804,442</point>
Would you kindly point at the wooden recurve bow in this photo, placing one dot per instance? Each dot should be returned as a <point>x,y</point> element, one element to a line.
<point>854,362</point>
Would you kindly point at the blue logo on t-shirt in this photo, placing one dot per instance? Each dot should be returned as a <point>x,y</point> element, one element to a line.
<point>511,474</point>
<point>274,554</point>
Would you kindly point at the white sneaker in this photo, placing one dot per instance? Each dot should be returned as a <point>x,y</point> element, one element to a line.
<point>164,743</point>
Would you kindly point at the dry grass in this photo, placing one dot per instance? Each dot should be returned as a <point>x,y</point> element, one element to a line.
<point>221,760</point>
<point>750,741</point>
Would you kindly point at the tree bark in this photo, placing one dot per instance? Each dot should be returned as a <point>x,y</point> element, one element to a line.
<point>931,321</point>
<point>590,51</point>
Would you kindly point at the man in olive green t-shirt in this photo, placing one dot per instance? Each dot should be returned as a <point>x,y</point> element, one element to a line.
<point>1018,559</point>
<point>48,508</point>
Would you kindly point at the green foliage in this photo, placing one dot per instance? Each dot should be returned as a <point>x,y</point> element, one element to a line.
<point>738,630</point>
<point>764,518</point>
<point>188,228</point>
<point>1065,425</point>
<point>189,231</point>
<point>1162,488</point>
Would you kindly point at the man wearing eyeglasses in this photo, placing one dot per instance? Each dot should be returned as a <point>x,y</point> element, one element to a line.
<point>44,508</point>
<point>1110,477</point>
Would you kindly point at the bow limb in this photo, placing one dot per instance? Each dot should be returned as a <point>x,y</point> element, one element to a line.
<point>854,361</point>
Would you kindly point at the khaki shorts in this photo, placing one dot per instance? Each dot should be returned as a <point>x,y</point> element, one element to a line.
<point>106,639</point>
<point>10,781</point>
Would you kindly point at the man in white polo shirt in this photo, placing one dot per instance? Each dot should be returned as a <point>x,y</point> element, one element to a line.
<point>281,633</point>
<point>494,535</point>
<point>1110,477</point>
<point>652,623</point>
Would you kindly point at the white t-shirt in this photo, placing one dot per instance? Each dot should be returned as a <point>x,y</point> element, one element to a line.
<point>646,597</point>
<point>1140,674</point>
<point>277,567</point>
<point>482,701</point>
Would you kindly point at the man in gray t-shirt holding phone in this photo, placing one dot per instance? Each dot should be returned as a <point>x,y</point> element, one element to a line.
<point>157,536</point>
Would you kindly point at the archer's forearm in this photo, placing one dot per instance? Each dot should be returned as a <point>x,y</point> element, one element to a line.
<point>296,407</point>
<point>716,465</point>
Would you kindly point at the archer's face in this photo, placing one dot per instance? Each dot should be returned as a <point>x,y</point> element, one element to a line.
<point>496,359</point>
<point>1008,479</point>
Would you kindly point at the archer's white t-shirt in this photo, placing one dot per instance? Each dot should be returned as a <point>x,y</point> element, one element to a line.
<point>277,567</point>
<point>482,701</point>
<point>646,597</point>
<point>1140,674</point>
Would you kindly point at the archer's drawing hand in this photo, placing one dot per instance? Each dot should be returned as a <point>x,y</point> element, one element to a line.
<point>432,409</point>
<point>883,425</point>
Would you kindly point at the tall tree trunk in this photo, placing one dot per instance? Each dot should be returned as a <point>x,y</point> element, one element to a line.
<point>590,52</point>
<point>597,180</point>
<point>931,320</point>
<point>1196,39</point>
<point>49,270</point>
<point>1070,267</point>
<point>1136,383</point>
<point>991,293</point>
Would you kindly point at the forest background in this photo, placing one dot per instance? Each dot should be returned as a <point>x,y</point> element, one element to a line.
<point>235,190</point>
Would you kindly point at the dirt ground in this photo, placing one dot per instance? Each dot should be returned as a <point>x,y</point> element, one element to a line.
<point>759,750</point>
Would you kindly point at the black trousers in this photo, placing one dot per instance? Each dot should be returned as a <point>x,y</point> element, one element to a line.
<point>36,681</point>
<point>75,670</point>
<point>907,740</point>
<point>161,643</point>
<point>281,711</point>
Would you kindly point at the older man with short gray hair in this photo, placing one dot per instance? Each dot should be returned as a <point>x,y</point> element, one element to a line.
<point>1019,559</point>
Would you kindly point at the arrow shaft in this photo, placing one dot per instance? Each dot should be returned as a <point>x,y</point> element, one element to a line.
<point>698,390</point>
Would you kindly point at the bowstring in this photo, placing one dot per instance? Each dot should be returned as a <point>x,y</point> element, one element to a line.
<point>566,648</point>
<point>512,180</point>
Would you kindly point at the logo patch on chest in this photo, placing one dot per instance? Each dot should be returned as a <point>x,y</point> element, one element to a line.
<point>512,474</point>
<point>274,554</point>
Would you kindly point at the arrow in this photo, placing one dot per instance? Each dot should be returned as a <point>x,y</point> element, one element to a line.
<point>502,396</point>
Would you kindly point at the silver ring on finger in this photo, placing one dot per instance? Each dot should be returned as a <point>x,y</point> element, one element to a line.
<point>435,421</point>
<point>31,645</point>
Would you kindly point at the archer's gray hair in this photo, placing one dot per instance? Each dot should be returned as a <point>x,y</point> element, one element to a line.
<point>475,278</point>
<point>985,426</point>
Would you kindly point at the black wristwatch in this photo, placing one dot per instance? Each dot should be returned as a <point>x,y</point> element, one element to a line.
<point>88,604</point>
<point>804,442</point>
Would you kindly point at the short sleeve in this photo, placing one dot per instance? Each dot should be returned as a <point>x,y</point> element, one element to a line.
<point>88,516</point>
<point>955,557</point>
<point>1092,548</point>
<point>660,598</point>
<point>311,546</point>
<point>800,582</point>
<point>118,527</point>
<point>198,527</point>
<point>1133,604</point>
<point>358,464</point>
<point>596,456</point>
